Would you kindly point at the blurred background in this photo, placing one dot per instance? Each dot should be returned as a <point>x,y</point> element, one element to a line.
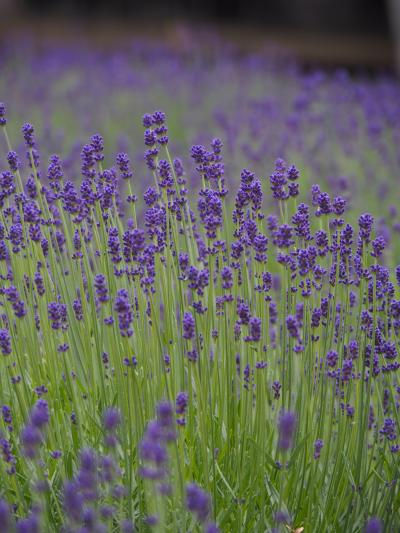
<point>310,81</point>
<point>320,32</point>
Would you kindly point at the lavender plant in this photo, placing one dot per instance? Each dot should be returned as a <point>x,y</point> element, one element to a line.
<point>264,339</point>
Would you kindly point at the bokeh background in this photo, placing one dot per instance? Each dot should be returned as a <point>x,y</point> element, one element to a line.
<point>349,32</point>
<point>311,81</point>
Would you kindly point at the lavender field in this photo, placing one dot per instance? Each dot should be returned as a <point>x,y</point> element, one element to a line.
<point>200,292</point>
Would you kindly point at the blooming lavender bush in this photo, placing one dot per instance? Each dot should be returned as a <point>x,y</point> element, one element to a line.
<point>180,357</point>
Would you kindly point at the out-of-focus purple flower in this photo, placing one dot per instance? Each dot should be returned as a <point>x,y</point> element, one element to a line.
<point>211,528</point>
<point>374,525</point>
<point>5,514</point>
<point>31,524</point>
<point>281,517</point>
<point>318,444</point>
<point>111,419</point>
<point>153,447</point>
<point>286,426</point>
<point>198,502</point>
<point>31,438</point>
<point>73,502</point>
<point>56,454</point>
<point>40,414</point>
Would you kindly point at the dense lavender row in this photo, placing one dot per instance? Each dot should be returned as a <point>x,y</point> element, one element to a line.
<point>192,361</point>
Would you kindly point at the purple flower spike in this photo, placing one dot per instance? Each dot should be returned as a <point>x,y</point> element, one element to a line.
<point>212,528</point>
<point>111,419</point>
<point>124,309</point>
<point>5,515</point>
<point>3,120</point>
<point>13,161</point>
<point>254,330</point>
<point>40,414</point>
<point>28,131</point>
<point>97,144</point>
<point>123,164</point>
<point>5,342</point>
<point>100,284</point>
<point>378,245</point>
<point>188,325</point>
<point>365,223</point>
<point>278,180</point>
